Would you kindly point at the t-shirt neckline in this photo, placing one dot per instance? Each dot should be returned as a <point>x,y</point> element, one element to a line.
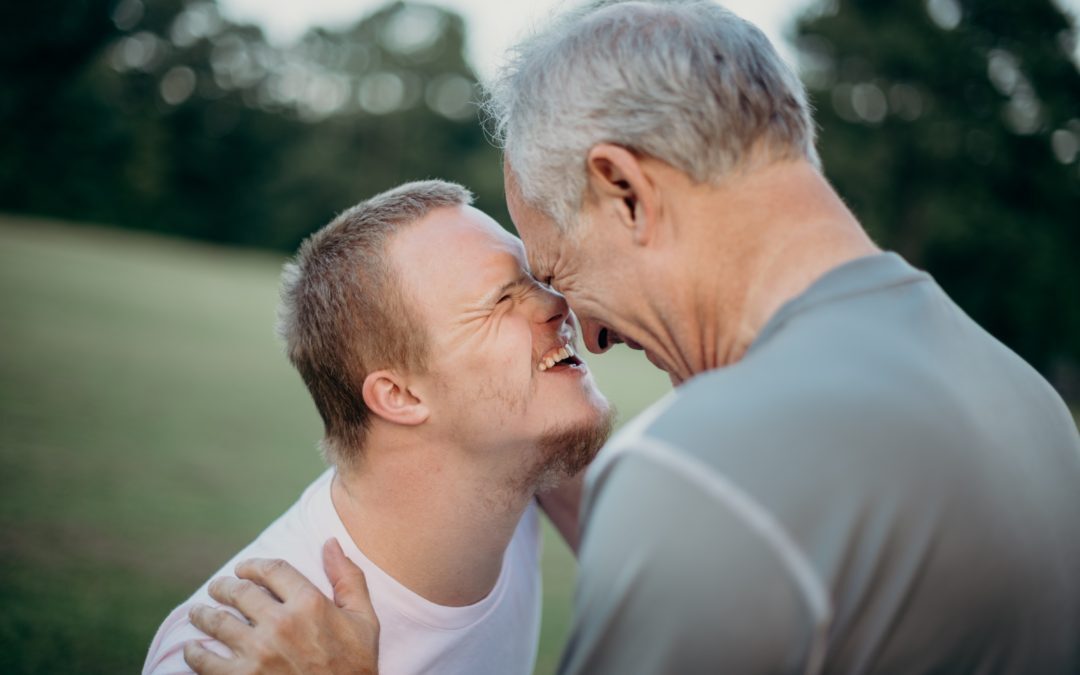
<point>401,598</point>
<point>861,275</point>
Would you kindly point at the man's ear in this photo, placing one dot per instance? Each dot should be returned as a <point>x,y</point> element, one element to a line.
<point>619,181</point>
<point>387,394</point>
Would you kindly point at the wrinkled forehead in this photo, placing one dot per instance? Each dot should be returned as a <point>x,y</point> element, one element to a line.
<point>541,237</point>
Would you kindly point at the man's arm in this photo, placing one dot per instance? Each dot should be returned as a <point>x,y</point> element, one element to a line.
<point>673,580</point>
<point>562,505</point>
<point>291,626</point>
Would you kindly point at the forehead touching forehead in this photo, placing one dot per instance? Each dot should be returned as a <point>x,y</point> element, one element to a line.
<point>541,236</point>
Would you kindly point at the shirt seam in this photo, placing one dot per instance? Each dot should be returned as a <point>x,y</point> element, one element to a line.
<point>757,520</point>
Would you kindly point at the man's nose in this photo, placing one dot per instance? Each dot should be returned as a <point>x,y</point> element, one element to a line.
<point>550,308</point>
<point>597,338</point>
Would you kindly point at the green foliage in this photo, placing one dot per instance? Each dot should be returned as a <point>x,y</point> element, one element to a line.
<point>951,129</point>
<point>169,118</point>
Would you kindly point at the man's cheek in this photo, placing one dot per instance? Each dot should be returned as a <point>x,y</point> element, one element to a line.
<point>506,373</point>
<point>496,364</point>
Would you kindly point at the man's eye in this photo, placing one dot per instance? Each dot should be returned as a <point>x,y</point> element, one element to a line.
<point>503,299</point>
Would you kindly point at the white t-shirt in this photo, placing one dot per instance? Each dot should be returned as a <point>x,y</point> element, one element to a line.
<point>497,635</point>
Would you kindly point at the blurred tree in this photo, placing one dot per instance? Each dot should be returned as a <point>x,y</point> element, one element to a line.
<point>403,101</point>
<point>44,49</point>
<point>952,128</point>
<point>162,115</point>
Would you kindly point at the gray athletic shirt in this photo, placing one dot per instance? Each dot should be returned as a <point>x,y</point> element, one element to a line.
<point>879,486</point>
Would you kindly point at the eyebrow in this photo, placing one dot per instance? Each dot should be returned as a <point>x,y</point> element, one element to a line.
<point>494,296</point>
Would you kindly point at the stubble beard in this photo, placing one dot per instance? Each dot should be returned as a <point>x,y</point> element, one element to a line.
<point>565,452</point>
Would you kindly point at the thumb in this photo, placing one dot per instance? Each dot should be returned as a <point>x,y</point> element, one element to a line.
<point>350,585</point>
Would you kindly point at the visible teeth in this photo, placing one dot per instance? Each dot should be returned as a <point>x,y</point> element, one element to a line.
<point>564,352</point>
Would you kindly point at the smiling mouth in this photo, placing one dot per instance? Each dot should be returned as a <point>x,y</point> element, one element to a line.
<point>560,356</point>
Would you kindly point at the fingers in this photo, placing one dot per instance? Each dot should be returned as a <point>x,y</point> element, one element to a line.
<point>252,601</point>
<point>218,624</point>
<point>203,661</point>
<point>350,585</point>
<point>277,575</point>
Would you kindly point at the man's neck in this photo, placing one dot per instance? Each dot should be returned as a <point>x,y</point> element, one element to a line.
<point>758,240</point>
<point>438,526</point>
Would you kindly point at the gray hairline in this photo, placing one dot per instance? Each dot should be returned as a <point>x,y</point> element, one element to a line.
<point>582,40</point>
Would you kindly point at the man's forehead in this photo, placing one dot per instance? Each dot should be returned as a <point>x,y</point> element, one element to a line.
<point>462,229</point>
<point>541,239</point>
<point>474,254</point>
<point>539,260</point>
<point>500,260</point>
<point>490,237</point>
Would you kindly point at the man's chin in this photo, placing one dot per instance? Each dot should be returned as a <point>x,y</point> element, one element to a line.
<point>565,452</point>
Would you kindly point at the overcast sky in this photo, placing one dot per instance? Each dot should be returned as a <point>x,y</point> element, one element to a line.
<point>493,25</point>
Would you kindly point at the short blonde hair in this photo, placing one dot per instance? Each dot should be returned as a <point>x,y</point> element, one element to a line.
<point>684,81</point>
<point>343,314</point>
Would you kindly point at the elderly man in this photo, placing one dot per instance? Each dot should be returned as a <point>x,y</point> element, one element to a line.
<point>450,392</point>
<point>851,476</point>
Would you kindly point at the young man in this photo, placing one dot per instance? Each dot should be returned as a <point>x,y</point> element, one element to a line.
<point>450,391</point>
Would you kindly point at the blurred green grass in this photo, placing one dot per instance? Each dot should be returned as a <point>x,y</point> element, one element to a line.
<point>149,428</point>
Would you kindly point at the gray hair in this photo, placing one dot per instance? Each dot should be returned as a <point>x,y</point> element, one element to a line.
<point>343,313</point>
<point>686,82</point>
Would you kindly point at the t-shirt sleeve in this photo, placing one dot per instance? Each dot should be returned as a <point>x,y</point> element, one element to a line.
<point>166,654</point>
<point>673,580</point>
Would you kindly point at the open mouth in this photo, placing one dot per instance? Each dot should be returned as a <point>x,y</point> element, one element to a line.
<point>558,358</point>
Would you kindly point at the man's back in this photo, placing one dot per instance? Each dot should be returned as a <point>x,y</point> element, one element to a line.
<point>878,486</point>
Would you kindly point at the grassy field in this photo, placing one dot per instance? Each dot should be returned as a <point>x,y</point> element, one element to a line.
<point>149,428</point>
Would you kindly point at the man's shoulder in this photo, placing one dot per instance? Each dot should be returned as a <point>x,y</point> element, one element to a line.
<point>674,550</point>
<point>751,405</point>
<point>785,437</point>
<point>295,536</point>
